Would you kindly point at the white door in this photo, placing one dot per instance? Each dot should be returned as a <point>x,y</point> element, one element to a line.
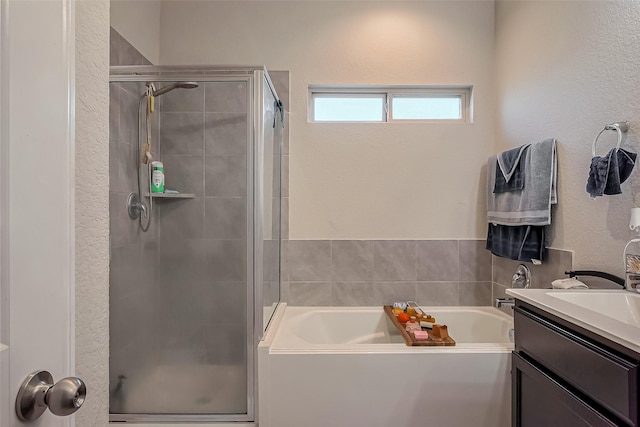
<point>36,194</point>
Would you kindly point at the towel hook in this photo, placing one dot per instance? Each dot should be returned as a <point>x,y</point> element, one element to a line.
<point>619,127</point>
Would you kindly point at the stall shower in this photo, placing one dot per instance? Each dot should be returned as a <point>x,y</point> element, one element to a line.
<point>191,296</point>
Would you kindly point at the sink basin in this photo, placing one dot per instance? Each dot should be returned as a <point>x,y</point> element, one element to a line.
<point>623,306</point>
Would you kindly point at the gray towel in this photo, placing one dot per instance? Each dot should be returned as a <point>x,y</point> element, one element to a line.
<point>608,172</point>
<point>520,242</point>
<point>532,205</point>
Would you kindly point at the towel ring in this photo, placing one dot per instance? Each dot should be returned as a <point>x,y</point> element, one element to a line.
<point>620,127</point>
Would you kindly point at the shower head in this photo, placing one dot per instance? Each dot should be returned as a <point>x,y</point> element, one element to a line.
<point>172,86</point>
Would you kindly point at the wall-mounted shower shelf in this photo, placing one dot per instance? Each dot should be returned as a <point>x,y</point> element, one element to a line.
<point>171,195</point>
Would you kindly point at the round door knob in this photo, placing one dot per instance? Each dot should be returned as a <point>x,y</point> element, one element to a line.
<point>66,396</point>
<point>38,392</point>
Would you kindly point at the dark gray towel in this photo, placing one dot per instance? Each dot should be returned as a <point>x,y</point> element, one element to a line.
<point>508,160</point>
<point>608,172</point>
<point>516,171</point>
<point>520,243</point>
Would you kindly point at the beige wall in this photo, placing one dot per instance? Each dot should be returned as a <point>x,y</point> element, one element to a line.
<point>564,69</point>
<point>365,180</point>
<point>138,21</point>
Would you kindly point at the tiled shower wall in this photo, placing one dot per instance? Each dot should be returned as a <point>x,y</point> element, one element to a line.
<point>202,260</point>
<point>122,52</point>
<point>431,272</point>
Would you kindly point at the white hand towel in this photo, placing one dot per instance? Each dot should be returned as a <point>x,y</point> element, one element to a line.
<point>571,283</point>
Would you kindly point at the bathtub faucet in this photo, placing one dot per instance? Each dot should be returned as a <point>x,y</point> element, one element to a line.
<point>415,305</point>
<point>504,301</point>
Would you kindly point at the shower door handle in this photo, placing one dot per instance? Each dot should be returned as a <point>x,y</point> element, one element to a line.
<point>38,392</point>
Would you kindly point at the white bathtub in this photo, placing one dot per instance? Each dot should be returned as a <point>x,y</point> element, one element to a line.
<point>333,366</point>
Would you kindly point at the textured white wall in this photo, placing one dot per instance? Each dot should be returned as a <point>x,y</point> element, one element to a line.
<point>138,21</point>
<point>362,180</point>
<point>92,208</point>
<point>564,69</point>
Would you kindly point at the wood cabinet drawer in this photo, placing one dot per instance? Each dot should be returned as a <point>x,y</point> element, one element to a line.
<point>602,375</point>
<point>539,400</point>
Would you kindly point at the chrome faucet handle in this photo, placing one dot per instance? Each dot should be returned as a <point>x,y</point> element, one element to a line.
<point>414,304</point>
<point>522,277</point>
<point>135,206</point>
<point>143,208</point>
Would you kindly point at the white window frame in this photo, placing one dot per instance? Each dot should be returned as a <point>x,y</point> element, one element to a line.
<point>388,93</point>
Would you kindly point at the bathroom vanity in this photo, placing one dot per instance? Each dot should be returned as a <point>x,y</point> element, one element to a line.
<point>576,359</point>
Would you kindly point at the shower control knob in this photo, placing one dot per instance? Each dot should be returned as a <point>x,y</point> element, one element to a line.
<point>38,392</point>
<point>135,206</point>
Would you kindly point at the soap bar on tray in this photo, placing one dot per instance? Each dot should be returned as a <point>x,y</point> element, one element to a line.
<point>421,335</point>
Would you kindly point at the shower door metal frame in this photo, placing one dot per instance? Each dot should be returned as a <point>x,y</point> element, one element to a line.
<point>255,78</point>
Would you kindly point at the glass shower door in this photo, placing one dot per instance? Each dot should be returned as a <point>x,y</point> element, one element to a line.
<point>182,294</point>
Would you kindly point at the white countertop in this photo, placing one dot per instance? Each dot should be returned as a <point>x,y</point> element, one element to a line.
<point>617,331</point>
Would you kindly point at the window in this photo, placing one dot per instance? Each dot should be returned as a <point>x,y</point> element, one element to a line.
<point>349,107</point>
<point>389,104</point>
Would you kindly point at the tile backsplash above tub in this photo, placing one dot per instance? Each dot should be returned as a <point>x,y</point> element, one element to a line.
<point>377,272</point>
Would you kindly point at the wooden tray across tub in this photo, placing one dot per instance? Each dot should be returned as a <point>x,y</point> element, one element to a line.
<point>409,338</point>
